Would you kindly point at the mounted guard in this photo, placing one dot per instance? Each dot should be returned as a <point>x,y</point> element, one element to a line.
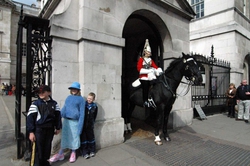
<point>148,71</point>
<point>163,93</point>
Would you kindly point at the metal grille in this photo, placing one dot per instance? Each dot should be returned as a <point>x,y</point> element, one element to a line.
<point>38,53</point>
<point>38,68</point>
<point>190,149</point>
<point>216,78</point>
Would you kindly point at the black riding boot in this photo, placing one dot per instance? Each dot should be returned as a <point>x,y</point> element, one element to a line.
<point>145,89</point>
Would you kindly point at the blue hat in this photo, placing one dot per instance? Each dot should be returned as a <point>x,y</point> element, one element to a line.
<point>75,85</point>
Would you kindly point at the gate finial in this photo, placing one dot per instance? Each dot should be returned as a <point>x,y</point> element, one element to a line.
<point>212,51</point>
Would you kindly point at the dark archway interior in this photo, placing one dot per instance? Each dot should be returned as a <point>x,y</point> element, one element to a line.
<point>248,62</point>
<point>136,30</point>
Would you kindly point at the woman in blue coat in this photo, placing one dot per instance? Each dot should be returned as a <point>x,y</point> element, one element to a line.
<point>73,113</point>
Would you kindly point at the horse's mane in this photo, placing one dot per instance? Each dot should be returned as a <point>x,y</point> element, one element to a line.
<point>172,65</point>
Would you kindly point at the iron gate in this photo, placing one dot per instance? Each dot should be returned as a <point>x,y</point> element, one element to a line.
<point>211,95</point>
<point>38,69</point>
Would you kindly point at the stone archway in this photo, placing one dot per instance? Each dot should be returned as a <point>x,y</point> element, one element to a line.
<point>141,25</point>
<point>246,68</point>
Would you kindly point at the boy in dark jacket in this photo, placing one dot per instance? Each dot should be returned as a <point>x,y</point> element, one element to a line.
<point>87,137</point>
<point>43,121</point>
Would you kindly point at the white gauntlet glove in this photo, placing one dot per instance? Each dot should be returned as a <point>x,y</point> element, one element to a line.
<point>151,75</point>
<point>145,71</point>
<point>158,71</point>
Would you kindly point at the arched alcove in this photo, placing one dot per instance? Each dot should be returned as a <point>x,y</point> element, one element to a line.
<point>141,25</point>
<point>246,68</point>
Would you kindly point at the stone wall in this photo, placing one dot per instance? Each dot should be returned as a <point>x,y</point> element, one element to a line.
<point>228,33</point>
<point>5,32</point>
<point>87,47</point>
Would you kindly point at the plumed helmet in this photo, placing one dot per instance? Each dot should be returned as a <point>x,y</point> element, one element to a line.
<point>146,46</point>
<point>75,85</point>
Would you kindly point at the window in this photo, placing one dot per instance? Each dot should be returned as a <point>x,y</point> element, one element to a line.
<point>198,7</point>
<point>244,7</point>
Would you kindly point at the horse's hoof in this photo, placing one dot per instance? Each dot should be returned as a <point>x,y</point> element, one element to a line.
<point>158,143</point>
<point>167,139</point>
<point>125,132</point>
<point>129,131</point>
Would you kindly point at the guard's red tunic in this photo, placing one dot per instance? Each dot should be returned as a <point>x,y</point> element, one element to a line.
<point>141,62</point>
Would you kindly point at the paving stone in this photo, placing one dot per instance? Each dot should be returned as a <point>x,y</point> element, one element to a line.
<point>189,149</point>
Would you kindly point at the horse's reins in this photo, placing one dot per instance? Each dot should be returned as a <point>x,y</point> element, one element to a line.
<point>187,89</point>
<point>165,83</point>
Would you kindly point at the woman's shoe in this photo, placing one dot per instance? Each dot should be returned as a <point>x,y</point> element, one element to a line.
<point>56,157</point>
<point>72,157</point>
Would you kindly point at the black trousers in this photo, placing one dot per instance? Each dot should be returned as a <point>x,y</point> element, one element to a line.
<point>145,89</point>
<point>44,138</point>
<point>231,110</point>
<point>88,141</point>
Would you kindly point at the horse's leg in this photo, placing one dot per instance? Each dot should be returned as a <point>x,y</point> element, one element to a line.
<point>127,126</point>
<point>134,99</point>
<point>125,116</point>
<point>165,123</point>
<point>158,124</point>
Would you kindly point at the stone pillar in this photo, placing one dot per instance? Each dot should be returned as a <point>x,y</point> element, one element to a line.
<point>94,59</point>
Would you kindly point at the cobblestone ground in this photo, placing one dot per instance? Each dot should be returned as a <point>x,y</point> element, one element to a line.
<point>190,149</point>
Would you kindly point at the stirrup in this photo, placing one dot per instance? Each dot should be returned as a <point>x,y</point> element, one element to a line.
<point>151,103</point>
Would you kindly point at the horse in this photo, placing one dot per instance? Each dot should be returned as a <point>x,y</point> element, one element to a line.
<point>163,93</point>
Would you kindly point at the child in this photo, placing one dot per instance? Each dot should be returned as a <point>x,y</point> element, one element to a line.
<point>43,121</point>
<point>87,136</point>
<point>73,114</point>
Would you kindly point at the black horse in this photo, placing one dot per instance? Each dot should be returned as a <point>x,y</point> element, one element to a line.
<point>163,92</point>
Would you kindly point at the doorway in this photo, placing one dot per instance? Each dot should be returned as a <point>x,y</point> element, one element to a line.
<point>140,25</point>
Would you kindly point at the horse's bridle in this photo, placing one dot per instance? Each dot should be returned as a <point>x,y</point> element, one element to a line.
<point>165,83</point>
<point>192,78</point>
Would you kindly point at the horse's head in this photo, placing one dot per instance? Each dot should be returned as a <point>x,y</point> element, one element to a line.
<point>191,69</point>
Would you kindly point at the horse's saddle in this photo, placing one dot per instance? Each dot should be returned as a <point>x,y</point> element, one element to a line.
<point>137,82</point>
